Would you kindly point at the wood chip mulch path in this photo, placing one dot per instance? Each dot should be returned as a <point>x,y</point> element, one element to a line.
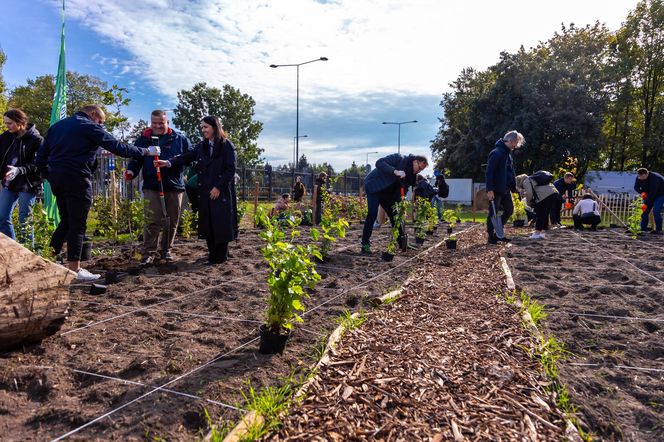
<point>444,362</point>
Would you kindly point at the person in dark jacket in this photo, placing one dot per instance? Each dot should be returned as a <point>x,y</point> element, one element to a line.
<point>652,184</point>
<point>298,189</point>
<point>500,180</point>
<point>423,189</point>
<point>215,163</point>
<point>67,159</point>
<point>321,186</point>
<point>171,144</point>
<point>383,188</point>
<point>564,185</point>
<point>20,180</point>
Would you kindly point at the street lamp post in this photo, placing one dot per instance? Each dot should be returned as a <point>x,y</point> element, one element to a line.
<point>295,157</point>
<point>367,163</point>
<point>399,136</point>
<point>297,99</point>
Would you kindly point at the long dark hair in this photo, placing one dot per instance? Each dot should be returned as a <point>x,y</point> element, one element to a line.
<point>218,127</point>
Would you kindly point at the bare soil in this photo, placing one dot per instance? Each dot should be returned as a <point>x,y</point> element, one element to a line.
<point>120,359</point>
<point>605,298</point>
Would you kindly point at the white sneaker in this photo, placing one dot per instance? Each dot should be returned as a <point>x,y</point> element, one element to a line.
<point>536,235</point>
<point>84,275</point>
<point>376,226</point>
<point>542,235</point>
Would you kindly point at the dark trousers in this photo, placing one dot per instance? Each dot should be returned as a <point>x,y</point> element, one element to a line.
<point>543,211</point>
<point>556,209</point>
<point>591,219</point>
<point>502,202</point>
<point>217,252</point>
<point>386,200</point>
<point>74,199</point>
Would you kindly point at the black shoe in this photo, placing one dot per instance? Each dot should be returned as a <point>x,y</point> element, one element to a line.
<point>492,240</point>
<point>505,239</point>
<point>167,256</point>
<point>147,260</point>
<point>656,232</point>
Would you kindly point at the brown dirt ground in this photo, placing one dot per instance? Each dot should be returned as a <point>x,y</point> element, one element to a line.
<point>443,362</point>
<point>184,326</point>
<point>603,273</point>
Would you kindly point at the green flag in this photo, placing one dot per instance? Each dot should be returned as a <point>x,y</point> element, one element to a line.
<point>58,112</point>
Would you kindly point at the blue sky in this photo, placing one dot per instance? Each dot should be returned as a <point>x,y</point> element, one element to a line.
<point>388,60</point>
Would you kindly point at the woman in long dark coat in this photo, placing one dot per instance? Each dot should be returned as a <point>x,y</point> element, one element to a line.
<point>215,165</point>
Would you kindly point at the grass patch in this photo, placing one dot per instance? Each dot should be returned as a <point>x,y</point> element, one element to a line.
<point>349,322</point>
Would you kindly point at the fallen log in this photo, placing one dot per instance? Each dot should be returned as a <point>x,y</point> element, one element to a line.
<point>34,294</point>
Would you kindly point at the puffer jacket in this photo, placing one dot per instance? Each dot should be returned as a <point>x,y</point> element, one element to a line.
<point>534,193</point>
<point>28,178</point>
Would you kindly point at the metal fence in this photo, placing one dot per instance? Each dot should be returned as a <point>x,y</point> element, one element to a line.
<point>270,183</point>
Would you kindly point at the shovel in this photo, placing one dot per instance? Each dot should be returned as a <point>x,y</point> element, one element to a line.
<point>166,221</point>
<point>404,238</point>
<point>497,222</point>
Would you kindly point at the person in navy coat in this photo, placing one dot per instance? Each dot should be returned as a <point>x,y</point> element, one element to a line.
<point>383,187</point>
<point>217,204</point>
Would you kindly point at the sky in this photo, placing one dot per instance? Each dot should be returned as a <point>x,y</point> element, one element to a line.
<point>387,60</point>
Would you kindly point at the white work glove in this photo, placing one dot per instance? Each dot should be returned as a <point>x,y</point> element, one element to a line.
<point>400,173</point>
<point>12,172</point>
<point>152,151</point>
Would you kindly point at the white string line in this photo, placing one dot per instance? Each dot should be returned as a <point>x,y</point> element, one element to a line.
<point>176,312</point>
<point>148,307</point>
<point>168,390</point>
<point>161,387</point>
<point>381,274</point>
<point>626,367</point>
<point>631,318</point>
<point>620,258</point>
<point>640,240</point>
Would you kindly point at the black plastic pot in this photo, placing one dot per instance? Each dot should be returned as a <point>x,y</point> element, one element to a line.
<point>449,230</point>
<point>458,221</point>
<point>97,289</point>
<point>451,243</point>
<point>519,223</point>
<point>429,232</point>
<point>403,243</point>
<point>272,343</point>
<point>86,251</point>
<point>113,277</point>
<point>386,256</point>
<point>419,240</point>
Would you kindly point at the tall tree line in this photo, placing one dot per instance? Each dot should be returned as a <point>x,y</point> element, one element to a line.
<point>586,93</point>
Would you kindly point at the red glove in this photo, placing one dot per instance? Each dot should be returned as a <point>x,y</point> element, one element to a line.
<point>128,175</point>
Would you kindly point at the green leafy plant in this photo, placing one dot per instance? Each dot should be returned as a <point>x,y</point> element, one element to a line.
<point>241,210</point>
<point>291,270</point>
<point>349,322</point>
<point>519,208</point>
<point>450,217</point>
<point>40,227</point>
<point>261,218</point>
<point>332,224</point>
<point>422,217</point>
<point>189,220</point>
<point>535,309</point>
<point>634,218</point>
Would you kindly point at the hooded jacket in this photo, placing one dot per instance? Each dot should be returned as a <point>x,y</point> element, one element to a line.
<point>534,193</point>
<point>500,169</point>
<point>171,144</point>
<point>26,147</point>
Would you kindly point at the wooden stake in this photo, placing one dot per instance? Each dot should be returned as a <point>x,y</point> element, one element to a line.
<point>255,204</point>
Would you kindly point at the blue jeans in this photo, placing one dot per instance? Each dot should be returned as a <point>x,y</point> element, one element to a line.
<point>8,201</point>
<point>437,202</point>
<point>657,214</point>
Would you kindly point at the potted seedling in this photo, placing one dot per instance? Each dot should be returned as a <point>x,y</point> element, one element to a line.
<point>450,217</point>
<point>451,242</point>
<point>519,214</point>
<point>634,218</point>
<point>332,225</point>
<point>290,271</point>
<point>400,209</point>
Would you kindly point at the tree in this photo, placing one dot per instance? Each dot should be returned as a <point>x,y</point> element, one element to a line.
<point>36,98</point>
<point>236,111</point>
<point>3,90</point>
<point>302,163</point>
<point>642,41</point>
<point>116,121</point>
<point>137,130</point>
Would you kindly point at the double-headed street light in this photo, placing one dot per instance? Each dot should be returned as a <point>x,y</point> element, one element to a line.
<point>399,136</point>
<point>367,163</point>
<point>297,100</point>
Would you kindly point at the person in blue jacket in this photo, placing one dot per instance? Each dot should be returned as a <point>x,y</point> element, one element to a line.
<point>67,159</point>
<point>171,144</point>
<point>500,180</point>
<point>652,184</point>
<point>217,201</point>
<point>383,188</point>
<point>563,185</point>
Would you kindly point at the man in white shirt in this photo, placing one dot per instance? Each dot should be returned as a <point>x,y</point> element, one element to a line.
<point>586,211</point>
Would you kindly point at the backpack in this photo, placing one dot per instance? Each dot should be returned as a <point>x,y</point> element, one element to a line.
<point>541,177</point>
<point>443,187</point>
